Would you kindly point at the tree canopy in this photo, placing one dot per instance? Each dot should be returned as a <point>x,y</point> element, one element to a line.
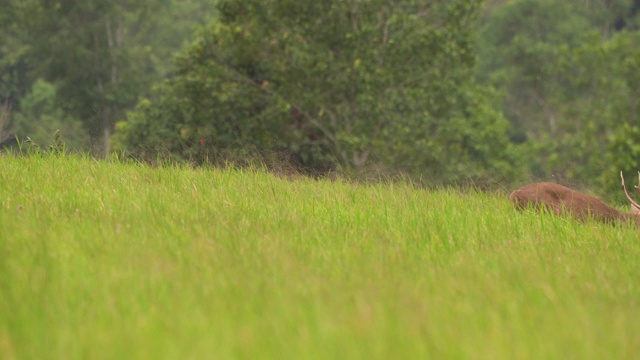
<point>332,83</point>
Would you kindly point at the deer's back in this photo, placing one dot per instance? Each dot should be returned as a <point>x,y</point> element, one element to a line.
<point>561,199</point>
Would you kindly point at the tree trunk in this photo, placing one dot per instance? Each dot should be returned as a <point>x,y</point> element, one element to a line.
<point>106,133</point>
<point>5,114</point>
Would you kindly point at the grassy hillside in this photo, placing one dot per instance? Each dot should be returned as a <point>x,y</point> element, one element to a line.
<point>105,260</point>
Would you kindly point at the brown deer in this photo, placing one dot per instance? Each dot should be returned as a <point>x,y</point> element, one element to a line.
<point>562,200</point>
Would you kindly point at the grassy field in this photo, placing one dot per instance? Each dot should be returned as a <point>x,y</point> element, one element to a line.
<point>104,260</point>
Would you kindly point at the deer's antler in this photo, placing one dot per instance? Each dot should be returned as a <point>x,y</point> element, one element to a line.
<point>633,203</point>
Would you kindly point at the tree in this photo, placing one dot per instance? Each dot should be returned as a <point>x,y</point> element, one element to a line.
<point>14,65</point>
<point>568,85</point>
<point>100,54</point>
<point>39,118</point>
<point>519,47</point>
<point>86,47</point>
<point>623,135</point>
<point>335,83</point>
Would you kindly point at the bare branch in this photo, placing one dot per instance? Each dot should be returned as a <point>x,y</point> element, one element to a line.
<point>312,119</point>
<point>633,203</point>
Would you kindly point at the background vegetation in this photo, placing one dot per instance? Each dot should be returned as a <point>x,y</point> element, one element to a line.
<point>443,91</point>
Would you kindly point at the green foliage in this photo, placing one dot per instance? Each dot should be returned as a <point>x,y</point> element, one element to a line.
<point>13,50</point>
<point>610,16</point>
<point>568,85</point>
<point>40,117</point>
<point>353,86</point>
<point>519,48</point>
<point>623,154</point>
<point>14,66</point>
<point>333,83</point>
<point>102,55</point>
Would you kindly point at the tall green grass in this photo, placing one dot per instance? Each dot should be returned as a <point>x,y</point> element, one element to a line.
<point>104,260</point>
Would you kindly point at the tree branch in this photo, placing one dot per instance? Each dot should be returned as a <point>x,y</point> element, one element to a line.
<point>312,119</point>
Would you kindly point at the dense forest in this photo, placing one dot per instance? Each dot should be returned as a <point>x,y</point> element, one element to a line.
<point>445,91</point>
